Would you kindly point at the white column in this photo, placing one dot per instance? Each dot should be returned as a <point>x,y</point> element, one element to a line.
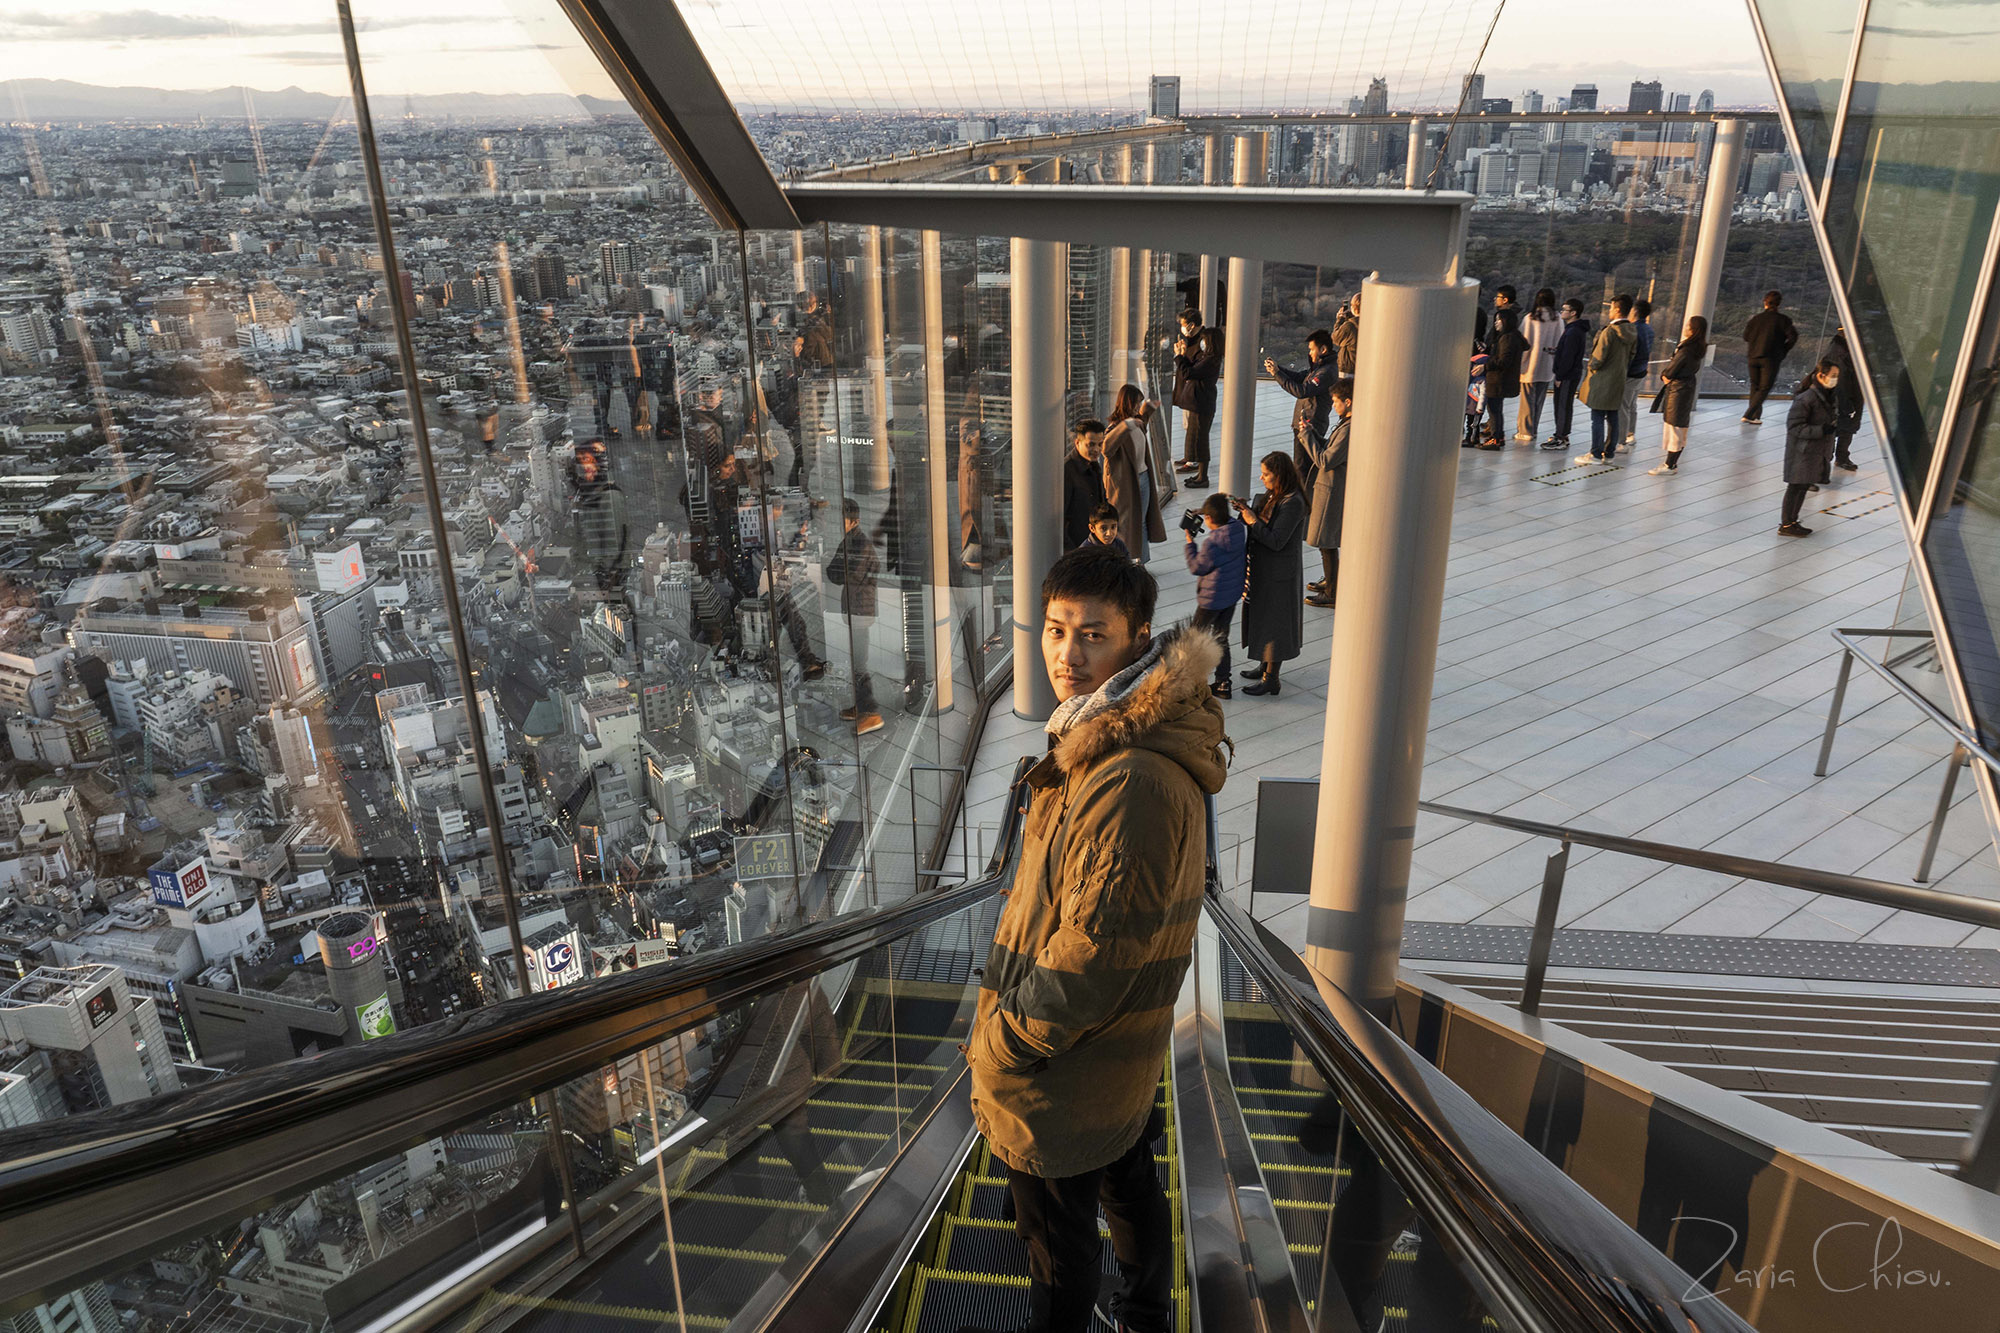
<point>1118,321</point>
<point>1415,170</point>
<point>1396,532</point>
<point>1718,205</point>
<point>941,463</point>
<point>875,359</point>
<point>1237,411</point>
<point>1205,291</point>
<point>1038,337</point>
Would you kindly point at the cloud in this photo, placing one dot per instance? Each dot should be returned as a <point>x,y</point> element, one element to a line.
<point>149,24</point>
<point>1930,34</point>
<point>307,57</point>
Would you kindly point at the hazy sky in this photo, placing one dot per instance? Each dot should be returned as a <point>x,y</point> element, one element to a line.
<point>951,54</point>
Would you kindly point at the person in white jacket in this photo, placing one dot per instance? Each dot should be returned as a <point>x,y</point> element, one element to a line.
<point>1543,330</point>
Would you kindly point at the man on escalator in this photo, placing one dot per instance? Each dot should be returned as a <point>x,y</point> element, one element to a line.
<point>1076,1003</point>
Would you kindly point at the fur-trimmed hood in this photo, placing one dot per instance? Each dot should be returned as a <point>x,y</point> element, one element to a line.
<point>1161,703</point>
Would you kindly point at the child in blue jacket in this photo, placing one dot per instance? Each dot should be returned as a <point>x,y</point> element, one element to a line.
<point>1218,562</point>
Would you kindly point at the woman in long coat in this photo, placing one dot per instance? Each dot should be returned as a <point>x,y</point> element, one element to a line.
<point>1675,400</point>
<point>1129,486</point>
<point>1329,495</point>
<point>1504,350</point>
<point>1274,618</point>
<point>1809,431</point>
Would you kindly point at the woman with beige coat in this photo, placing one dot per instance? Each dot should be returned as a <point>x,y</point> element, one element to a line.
<point>1128,475</point>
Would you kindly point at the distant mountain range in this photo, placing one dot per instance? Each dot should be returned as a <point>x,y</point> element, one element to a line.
<point>63,99</point>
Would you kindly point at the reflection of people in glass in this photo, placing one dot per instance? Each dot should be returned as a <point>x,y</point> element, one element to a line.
<point>812,360</point>
<point>852,569</point>
<point>599,532</point>
<point>1694,1195</point>
<point>971,540</point>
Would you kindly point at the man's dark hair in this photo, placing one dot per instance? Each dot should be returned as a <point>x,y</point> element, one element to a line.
<point>1321,338</point>
<point>1642,309</point>
<point>1621,304</point>
<point>1827,363</point>
<point>1100,573</point>
<point>1216,506</point>
<point>1573,305</point>
<point>1504,291</point>
<point>1104,513</point>
<point>1773,299</point>
<point>1191,315</point>
<point>1088,426</point>
<point>1342,389</point>
<point>851,509</point>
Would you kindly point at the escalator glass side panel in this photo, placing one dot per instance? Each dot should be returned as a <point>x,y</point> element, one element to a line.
<point>762,1131</point>
<point>1362,1255</point>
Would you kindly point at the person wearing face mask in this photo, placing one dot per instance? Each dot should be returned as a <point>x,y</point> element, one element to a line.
<point>1572,351</point>
<point>1809,433</point>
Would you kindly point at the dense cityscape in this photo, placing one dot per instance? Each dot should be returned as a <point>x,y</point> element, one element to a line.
<point>242,807</point>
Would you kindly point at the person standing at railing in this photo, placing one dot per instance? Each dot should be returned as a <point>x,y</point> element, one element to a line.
<point>1274,618</point>
<point>1604,381</point>
<point>1217,562</point>
<point>1809,429</point>
<point>1542,331</point>
<point>1309,386</point>
<point>1768,339</point>
<point>1675,400</point>
<point>1197,366</point>
<point>1083,482</point>
<point>1505,349</point>
<point>1128,476</point>
<point>1846,404</point>
<point>1572,347</point>
<point>1635,374</point>
<point>1346,336</point>
<point>1076,1003</point>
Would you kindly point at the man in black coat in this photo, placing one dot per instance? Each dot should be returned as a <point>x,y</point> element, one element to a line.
<point>1846,403</point>
<point>1197,366</point>
<point>1572,350</point>
<point>1768,339</point>
<point>1311,387</point>
<point>852,569</point>
<point>1083,482</point>
<point>1808,426</point>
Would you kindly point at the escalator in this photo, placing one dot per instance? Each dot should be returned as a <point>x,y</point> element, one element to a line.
<point>778,1136</point>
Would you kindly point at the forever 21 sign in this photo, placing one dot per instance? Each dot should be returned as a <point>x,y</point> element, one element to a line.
<point>765,856</point>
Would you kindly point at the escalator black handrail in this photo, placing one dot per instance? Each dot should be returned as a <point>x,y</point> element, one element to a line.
<point>1543,1247</point>
<point>115,1180</point>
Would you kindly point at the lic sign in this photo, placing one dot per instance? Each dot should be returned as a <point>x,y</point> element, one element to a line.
<point>557,957</point>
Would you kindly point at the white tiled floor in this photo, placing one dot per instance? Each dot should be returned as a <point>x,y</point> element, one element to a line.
<point>1641,655</point>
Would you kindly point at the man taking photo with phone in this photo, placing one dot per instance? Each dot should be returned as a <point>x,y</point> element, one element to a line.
<point>1077,1000</point>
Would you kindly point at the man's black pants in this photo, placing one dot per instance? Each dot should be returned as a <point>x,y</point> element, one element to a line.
<point>1194,441</point>
<point>1763,374</point>
<point>1058,1221</point>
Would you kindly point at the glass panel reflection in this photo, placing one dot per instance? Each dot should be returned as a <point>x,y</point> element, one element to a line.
<point>1911,205</point>
<point>1354,1236</point>
<point>1810,41</point>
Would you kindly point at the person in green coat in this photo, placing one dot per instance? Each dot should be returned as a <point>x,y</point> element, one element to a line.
<point>1604,381</point>
<point>1076,1004</point>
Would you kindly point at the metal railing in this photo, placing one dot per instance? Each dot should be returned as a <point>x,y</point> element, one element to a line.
<point>1980,1162</point>
<point>1854,888</point>
<point>1965,746</point>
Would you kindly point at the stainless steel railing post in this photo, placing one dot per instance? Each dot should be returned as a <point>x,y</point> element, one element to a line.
<point>1544,935</point>
<point>1833,711</point>
<point>1959,758</point>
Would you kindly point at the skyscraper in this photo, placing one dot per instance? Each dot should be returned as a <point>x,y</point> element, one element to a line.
<point>1472,92</point>
<point>1531,101</point>
<point>1583,97</point>
<point>1163,97</point>
<point>1645,96</point>
<point>615,261</point>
